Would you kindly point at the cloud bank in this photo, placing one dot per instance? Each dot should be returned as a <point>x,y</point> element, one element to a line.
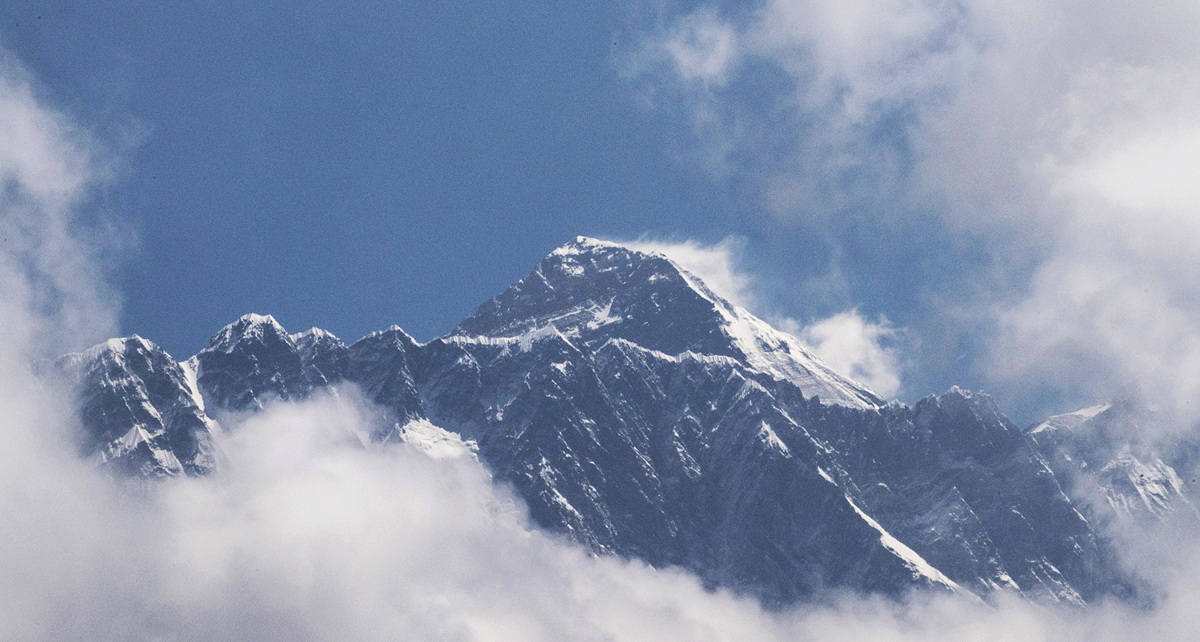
<point>308,534</point>
<point>1055,142</point>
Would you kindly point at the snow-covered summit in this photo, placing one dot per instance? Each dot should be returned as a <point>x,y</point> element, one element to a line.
<point>312,335</point>
<point>583,244</point>
<point>116,347</point>
<point>142,412</point>
<point>394,333</point>
<point>248,328</point>
<point>230,369</point>
<point>594,290</point>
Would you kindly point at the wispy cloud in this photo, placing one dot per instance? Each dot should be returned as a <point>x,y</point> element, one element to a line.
<point>702,47</point>
<point>718,265</point>
<point>50,278</point>
<point>861,349</point>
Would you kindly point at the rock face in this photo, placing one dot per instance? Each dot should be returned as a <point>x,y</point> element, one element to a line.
<point>642,415</point>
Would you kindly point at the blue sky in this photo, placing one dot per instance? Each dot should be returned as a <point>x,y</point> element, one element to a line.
<point>358,166</point>
<point>953,182</point>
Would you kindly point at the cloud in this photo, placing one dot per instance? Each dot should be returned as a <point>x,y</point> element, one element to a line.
<point>718,265</point>
<point>309,533</point>
<point>1055,143</point>
<point>50,297</point>
<point>858,348</point>
<point>50,279</point>
<point>1113,304</point>
<point>702,47</point>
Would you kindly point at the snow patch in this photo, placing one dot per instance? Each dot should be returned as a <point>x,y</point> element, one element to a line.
<point>911,559</point>
<point>312,335</point>
<point>583,245</point>
<point>772,440</point>
<point>1156,486</point>
<point>602,317</point>
<point>191,375</point>
<point>526,341</point>
<point>783,356</point>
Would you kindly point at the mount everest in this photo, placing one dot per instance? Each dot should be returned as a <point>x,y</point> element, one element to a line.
<point>641,415</point>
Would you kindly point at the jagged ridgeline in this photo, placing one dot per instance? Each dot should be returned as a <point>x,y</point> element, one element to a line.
<point>642,415</point>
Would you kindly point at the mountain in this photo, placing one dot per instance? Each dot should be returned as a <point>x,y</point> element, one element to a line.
<point>642,415</point>
<point>1121,462</point>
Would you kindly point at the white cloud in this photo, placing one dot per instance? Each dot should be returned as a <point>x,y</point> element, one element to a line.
<point>49,278</point>
<point>858,348</point>
<point>1061,135</point>
<point>1113,304</point>
<point>1154,171</point>
<point>702,47</point>
<point>308,534</point>
<point>717,265</point>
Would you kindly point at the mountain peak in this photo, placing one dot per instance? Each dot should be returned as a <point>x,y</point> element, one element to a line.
<point>314,337</point>
<point>117,346</point>
<point>393,333</point>
<point>582,244</point>
<point>1068,421</point>
<point>590,288</point>
<point>248,328</point>
<point>114,351</point>
<point>591,291</point>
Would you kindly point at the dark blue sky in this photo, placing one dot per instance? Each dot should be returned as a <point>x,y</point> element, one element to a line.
<point>368,163</point>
